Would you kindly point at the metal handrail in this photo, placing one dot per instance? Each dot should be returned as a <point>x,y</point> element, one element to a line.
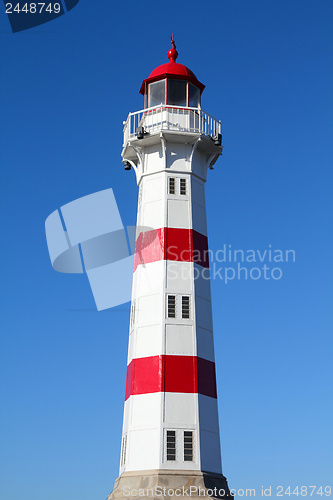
<point>169,117</point>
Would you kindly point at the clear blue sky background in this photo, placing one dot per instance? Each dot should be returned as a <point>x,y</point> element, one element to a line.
<point>66,88</point>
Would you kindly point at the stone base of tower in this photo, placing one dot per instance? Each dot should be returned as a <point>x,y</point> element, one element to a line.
<point>170,485</point>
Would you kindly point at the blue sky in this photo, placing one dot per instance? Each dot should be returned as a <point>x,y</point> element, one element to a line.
<point>66,88</point>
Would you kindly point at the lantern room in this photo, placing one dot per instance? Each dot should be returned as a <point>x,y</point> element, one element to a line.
<point>172,84</point>
<point>172,102</point>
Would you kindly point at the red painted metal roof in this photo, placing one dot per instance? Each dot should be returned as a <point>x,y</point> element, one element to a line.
<point>172,69</point>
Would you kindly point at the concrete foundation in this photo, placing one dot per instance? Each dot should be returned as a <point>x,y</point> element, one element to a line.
<point>170,485</point>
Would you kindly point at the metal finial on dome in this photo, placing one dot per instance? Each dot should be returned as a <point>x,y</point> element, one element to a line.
<point>173,54</point>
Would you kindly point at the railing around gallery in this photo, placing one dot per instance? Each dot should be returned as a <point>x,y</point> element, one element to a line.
<point>165,117</point>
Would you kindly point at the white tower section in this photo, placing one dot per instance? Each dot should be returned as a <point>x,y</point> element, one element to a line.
<point>171,415</point>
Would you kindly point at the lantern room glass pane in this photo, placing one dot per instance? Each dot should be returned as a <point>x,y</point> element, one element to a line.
<point>177,90</point>
<point>193,96</point>
<point>156,93</point>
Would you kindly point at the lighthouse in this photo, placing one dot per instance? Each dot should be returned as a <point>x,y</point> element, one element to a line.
<point>171,438</point>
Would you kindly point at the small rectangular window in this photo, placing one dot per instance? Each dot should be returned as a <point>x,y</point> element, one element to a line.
<point>123,450</point>
<point>140,196</point>
<point>132,314</point>
<point>171,445</point>
<point>171,306</point>
<point>186,307</point>
<point>172,188</point>
<point>183,186</point>
<point>188,446</point>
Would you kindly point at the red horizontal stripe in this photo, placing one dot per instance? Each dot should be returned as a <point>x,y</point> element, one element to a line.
<point>144,375</point>
<point>182,245</point>
<point>183,374</point>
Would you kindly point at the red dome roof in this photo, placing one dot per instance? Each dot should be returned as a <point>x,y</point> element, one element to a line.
<point>172,69</point>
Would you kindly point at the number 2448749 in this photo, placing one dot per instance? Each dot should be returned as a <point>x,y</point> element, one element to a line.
<point>33,8</point>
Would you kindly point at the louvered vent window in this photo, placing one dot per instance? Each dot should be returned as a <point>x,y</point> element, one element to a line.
<point>188,446</point>
<point>171,306</point>
<point>132,314</point>
<point>185,307</point>
<point>183,186</point>
<point>123,450</point>
<point>171,445</point>
<point>172,185</point>
<point>140,196</point>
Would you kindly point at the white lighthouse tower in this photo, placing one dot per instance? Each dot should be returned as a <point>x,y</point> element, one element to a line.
<point>171,433</point>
